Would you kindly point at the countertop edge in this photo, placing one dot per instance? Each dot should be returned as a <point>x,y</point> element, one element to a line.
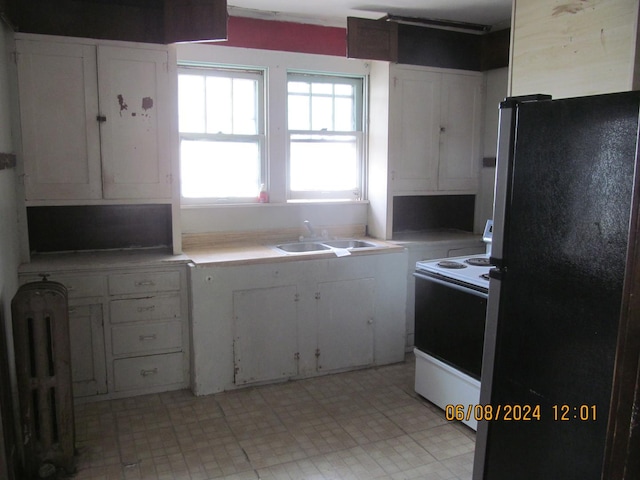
<point>252,254</point>
<point>224,254</point>
<point>83,261</point>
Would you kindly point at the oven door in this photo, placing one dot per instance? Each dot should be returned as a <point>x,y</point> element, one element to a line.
<point>449,322</point>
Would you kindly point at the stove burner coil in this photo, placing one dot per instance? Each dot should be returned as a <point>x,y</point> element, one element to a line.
<point>451,264</point>
<point>478,262</point>
<point>485,276</point>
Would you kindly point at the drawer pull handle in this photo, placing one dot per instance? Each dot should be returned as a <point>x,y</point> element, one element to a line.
<point>145,283</point>
<point>146,373</point>
<point>146,309</point>
<point>147,337</point>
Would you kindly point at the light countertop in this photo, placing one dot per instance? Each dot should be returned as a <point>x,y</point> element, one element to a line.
<point>248,253</point>
<point>74,261</point>
<point>228,253</point>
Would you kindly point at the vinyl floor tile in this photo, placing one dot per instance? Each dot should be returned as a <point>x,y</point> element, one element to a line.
<point>361,425</point>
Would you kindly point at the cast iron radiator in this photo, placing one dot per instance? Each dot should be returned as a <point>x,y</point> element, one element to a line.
<point>43,370</point>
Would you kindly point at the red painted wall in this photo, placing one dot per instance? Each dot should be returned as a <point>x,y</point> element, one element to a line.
<point>285,36</point>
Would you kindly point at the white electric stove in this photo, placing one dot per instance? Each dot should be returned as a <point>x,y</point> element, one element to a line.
<point>451,301</point>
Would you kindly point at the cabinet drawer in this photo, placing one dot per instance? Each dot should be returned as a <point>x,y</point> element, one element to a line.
<point>147,308</point>
<point>146,372</point>
<point>147,338</point>
<point>144,282</point>
<point>78,286</point>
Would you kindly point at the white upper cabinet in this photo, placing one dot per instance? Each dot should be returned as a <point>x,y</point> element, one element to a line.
<point>133,92</point>
<point>58,109</point>
<point>460,132</point>
<point>414,130</point>
<point>434,131</point>
<point>95,120</point>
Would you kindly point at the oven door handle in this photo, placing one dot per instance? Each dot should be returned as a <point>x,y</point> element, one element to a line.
<point>451,285</point>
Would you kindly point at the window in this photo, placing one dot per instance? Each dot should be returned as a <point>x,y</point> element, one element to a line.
<point>325,137</point>
<point>221,124</point>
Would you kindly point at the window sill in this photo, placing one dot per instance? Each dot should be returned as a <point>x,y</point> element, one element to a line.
<point>188,206</point>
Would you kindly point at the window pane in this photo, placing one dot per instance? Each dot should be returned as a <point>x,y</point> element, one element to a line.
<point>328,164</point>
<point>322,113</point>
<point>219,105</point>
<point>245,121</point>
<point>344,89</point>
<point>322,89</point>
<point>219,169</point>
<point>299,87</point>
<point>344,115</point>
<point>191,109</point>
<point>298,112</point>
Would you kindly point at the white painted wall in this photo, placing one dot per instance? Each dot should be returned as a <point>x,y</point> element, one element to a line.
<point>252,218</point>
<point>278,213</point>
<point>380,218</point>
<point>9,249</point>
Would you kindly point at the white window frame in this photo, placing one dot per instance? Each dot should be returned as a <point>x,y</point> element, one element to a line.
<point>220,70</point>
<point>359,83</point>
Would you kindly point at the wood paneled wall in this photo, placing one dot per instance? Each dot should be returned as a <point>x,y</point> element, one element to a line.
<point>570,49</point>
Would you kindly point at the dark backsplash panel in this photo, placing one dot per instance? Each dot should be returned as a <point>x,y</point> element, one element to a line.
<point>418,213</point>
<point>98,227</point>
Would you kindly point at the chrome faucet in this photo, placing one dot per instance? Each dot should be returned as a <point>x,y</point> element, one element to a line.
<point>310,229</point>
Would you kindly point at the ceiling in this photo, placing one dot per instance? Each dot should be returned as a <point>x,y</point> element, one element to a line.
<point>335,12</point>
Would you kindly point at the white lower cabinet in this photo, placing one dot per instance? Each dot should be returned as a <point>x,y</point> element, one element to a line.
<point>345,323</point>
<point>265,345</point>
<point>86,337</point>
<point>269,322</point>
<point>148,373</point>
<point>146,337</point>
<point>129,330</point>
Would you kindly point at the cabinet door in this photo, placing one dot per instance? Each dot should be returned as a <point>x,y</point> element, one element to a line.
<point>86,334</point>
<point>134,98</point>
<point>460,152</point>
<point>372,39</point>
<point>415,127</point>
<point>265,334</point>
<point>58,109</point>
<point>345,324</point>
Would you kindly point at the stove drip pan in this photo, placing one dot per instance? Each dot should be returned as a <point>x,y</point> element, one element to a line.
<point>451,264</point>
<point>478,262</point>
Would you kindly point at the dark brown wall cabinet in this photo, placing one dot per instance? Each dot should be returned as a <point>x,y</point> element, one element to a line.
<point>432,47</point>
<point>372,39</point>
<point>195,20</point>
<point>150,21</point>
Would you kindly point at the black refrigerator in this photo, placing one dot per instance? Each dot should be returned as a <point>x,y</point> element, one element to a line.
<point>563,201</point>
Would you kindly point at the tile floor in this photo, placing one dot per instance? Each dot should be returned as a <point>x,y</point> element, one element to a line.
<point>363,425</point>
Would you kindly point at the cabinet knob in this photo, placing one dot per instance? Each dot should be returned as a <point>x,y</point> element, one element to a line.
<point>101,118</point>
<point>442,129</point>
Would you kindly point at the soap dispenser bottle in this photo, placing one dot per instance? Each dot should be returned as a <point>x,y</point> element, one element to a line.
<point>263,196</point>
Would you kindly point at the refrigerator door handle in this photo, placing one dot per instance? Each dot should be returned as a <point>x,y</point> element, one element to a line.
<point>503,159</point>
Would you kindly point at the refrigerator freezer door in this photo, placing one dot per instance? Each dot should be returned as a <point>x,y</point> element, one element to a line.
<point>566,232</point>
